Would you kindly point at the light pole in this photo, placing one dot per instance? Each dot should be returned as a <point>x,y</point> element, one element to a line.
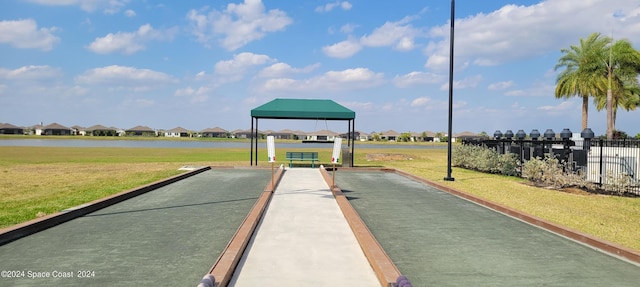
<point>450,137</point>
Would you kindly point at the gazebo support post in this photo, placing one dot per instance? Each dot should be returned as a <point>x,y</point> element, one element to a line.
<point>251,145</point>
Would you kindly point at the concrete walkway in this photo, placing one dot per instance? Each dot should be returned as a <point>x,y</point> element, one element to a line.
<point>303,240</point>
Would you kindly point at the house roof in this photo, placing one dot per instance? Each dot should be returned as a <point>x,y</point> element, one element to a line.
<point>323,133</point>
<point>178,130</point>
<point>303,109</point>
<point>141,129</point>
<point>390,133</point>
<point>214,130</point>
<point>284,132</point>
<point>99,128</point>
<point>56,126</point>
<point>8,126</point>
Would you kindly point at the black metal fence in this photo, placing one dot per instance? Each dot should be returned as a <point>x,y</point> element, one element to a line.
<point>610,164</point>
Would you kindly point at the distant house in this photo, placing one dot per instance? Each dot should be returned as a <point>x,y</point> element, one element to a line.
<point>9,129</point>
<point>463,135</point>
<point>216,132</point>
<point>100,130</point>
<point>415,137</point>
<point>363,137</point>
<point>321,136</point>
<point>243,134</point>
<point>354,134</point>
<point>428,136</point>
<point>284,134</point>
<point>78,130</point>
<point>55,129</point>
<point>389,135</point>
<point>141,131</point>
<point>178,132</point>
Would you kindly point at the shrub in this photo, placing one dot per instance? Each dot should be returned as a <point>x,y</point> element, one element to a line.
<point>485,160</point>
<point>617,183</point>
<point>550,171</point>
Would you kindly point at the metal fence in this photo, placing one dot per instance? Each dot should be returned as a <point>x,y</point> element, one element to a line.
<point>610,164</point>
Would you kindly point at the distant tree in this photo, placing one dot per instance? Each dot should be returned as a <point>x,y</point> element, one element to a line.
<point>405,137</point>
<point>620,135</point>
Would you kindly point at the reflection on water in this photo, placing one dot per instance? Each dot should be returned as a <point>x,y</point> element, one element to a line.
<point>181,144</point>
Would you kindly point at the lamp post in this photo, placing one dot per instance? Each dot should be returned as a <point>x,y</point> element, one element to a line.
<point>453,14</point>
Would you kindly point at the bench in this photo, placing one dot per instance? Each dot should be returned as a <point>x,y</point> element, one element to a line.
<point>302,156</point>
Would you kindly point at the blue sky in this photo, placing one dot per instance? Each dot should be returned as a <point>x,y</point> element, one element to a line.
<point>202,64</point>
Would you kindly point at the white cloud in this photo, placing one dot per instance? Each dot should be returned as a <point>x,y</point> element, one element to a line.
<point>360,106</point>
<point>30,73</point>
<point>122,77</point>
<point>519,32</point>
<point>400,35</point>
<point>108,6</point>
<point>240,63</point>
<point>24,34</point>
<point>469,82</point>
<point>131,42</point>
<point>350,79</point>
<point>199,95</point>
<point>130,13</point>
<point>348,28</point>
<point>499,86</point>
<point>237,25</point>
<point>417,78</point>
<point>421,101</point>
<point>391,33</point>
<point>234,70</point>
<point>344,49</point>
<point>344,5</point>
<point>563,106</point>
<point>283,70</point>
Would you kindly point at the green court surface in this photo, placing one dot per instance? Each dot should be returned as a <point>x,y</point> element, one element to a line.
<point>170,236</point>
<point>438,239</point>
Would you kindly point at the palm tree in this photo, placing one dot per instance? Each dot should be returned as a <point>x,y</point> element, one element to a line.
<point>623,95</point>
<point>622,69</point>
<point>603,69</point>
<point>580,76</point>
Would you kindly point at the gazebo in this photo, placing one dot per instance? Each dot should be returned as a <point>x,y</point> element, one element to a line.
<point>304,109</point>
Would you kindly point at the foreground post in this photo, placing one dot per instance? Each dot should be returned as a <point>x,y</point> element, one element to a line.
<point>335,158</point>
<point>450,136</point>
<point>271,151</point>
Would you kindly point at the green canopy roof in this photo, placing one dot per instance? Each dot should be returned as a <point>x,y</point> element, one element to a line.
<point>303,109</point>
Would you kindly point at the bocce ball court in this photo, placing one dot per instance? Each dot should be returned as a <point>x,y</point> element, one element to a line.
<point>369,229</point>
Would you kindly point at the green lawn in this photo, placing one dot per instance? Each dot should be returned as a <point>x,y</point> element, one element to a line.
<point>42,180</point>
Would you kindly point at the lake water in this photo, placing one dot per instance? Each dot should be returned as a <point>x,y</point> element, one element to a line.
<point>182,144</point>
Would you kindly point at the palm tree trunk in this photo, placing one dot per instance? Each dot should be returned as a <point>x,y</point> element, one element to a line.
<point>615,115</point>
<point>610,123</point>
<point>585,112</point>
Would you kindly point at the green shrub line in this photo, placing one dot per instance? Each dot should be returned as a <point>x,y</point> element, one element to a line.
<point>547,171</point>
<point>485,160</point>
